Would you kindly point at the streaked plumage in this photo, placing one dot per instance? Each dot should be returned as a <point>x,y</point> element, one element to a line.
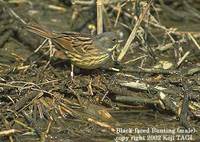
<point>83,50</point>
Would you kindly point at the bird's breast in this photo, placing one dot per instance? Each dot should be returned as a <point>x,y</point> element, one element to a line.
<point>88,61</point>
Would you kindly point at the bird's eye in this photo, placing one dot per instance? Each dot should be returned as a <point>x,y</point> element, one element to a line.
<point>114,40</point>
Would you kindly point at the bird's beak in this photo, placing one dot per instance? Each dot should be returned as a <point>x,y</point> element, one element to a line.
<point>120,41</point>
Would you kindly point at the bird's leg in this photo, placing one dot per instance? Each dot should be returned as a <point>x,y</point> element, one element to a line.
<point>72,72</point>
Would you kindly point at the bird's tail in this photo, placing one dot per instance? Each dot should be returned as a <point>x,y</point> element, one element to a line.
<point>37,29</point>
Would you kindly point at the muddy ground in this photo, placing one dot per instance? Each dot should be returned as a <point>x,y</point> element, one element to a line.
<point>152,94</point>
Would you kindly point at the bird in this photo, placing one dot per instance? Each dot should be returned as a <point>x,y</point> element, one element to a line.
<point>84,51</point>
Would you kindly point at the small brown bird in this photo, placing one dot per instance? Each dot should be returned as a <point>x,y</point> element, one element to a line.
<point>83,50</point>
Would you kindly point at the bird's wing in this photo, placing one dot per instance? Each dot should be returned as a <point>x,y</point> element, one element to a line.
<point>74,42</point>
